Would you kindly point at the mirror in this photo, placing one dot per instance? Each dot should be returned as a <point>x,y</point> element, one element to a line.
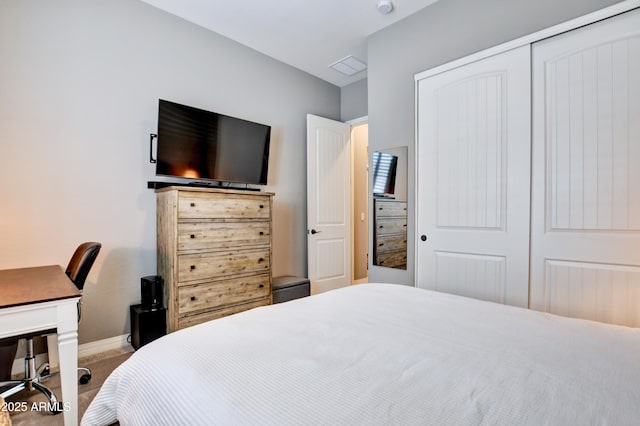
<point>388,169</point>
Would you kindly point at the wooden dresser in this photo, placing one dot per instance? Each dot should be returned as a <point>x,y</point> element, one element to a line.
<point>390,233</point>
<point>214,252</point>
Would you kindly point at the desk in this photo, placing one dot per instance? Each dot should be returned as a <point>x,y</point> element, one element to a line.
<point>43,298</point>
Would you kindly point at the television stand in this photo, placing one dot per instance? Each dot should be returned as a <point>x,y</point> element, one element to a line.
<point>196,184</point>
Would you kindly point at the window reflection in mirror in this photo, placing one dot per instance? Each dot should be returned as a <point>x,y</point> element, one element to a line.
<point>384,171</point>
<point>389,189</point>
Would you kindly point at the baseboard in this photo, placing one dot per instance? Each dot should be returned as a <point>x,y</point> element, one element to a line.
<point>84,350</point>
<point>100,346</point>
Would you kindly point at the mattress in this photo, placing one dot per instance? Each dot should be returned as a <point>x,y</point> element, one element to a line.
<point>379,354</point>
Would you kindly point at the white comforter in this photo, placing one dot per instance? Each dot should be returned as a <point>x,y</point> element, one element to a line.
<point>380,354</point>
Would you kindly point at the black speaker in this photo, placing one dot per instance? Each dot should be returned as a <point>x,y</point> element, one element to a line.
<point>147,325</point>
<point>151,292</point>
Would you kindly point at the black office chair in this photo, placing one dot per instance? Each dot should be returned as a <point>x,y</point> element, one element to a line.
<point>77,270</point>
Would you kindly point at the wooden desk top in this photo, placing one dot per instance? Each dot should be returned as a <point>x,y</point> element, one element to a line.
<point>34,285</point>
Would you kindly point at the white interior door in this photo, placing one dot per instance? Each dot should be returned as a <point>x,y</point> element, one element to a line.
<point>473,167</point>
<point>328,203</point>
<point>585,230</point>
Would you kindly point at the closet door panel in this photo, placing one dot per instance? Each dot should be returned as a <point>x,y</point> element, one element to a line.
<point>585,229</point>
<point>473,168</point>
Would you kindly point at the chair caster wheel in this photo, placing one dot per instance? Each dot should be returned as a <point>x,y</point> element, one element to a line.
<point>57,409</point>
<point>84,379</point>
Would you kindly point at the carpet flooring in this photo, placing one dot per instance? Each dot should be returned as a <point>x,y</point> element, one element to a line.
<point>101,366</point>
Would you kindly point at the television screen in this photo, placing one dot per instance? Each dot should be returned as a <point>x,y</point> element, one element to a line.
<point>198,144</point>
<point>384,168</point>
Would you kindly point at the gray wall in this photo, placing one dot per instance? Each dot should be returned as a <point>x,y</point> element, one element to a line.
<point>440,33</point>
<point>353,100</point>
<point>79,87</point>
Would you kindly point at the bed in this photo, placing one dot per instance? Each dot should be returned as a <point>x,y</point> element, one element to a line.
<point>376,354</point>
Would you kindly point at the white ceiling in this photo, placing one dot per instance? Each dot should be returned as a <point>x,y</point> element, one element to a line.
<point>307,34</point>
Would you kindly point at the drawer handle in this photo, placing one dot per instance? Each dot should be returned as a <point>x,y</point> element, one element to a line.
<point>261,233</point>
<point>193,204</point>
<point>261,286</point>
<point>381,226</point>
<point>261,260</point>
<point>193,235</point>
<point>405,225</point>
<point>193,267</point>
<point>380,245</point>
<point>261,206</point>
<point>193,298</point>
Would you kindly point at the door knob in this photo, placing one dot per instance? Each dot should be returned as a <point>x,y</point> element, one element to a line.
<point>314,232</point>
<point>423,238</point>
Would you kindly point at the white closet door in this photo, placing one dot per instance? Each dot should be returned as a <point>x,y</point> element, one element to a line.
<point>585,230</point>
<point>473,171</point>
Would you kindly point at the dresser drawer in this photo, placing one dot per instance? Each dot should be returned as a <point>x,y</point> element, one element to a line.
<point>189,320</point>
<point>192,267</point>
<point>197,205</point>
<point>208,235</point>
<point>390,208</point>
<point>392,242</point>
<point>192,298</point>
<point>393,259</point>
<point>394,225</point>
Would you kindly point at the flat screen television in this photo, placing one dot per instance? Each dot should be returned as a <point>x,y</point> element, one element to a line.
<point>207,146</point>
<point>384,168</point>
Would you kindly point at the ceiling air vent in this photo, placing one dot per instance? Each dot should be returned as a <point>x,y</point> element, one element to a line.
<point>349,65</point>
